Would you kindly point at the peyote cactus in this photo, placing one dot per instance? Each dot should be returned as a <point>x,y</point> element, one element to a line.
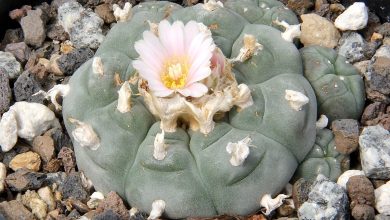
<point>200,152</point>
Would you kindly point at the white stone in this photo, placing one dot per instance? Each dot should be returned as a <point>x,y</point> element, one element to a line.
<point>382,199</point>
<point>9,65</point>
<point>58,90</point>
<point>158,207</point>
<point>97,66</point>
<point>124,98</point>
<point>96,198</point>
<point>271,204</point>
<point>28,120</point>
<point>8,131</point>
<point>291,31</point>
<point>47,196</point>
<point>296,99</point>
<point>322,122</point>
<point>160,148</point>
<point>83,26</point>
<point>239,151</point>
<point>343,178</point>
<point>85,135</point>
<point>354,18</point>
<point>3,174</point>
<point>374,148</point>
<point>122,15</point>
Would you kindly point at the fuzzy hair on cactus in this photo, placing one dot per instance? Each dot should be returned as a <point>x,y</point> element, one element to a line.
<point>205,109</point>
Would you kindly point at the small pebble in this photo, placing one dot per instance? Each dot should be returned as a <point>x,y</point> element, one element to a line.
<point>14,210</point>
<point>374,143</point>
<point>83,26</point>
<point>363,212</point>
<point>344,177</point>
<point>24,179</point>
<point>44,146</point>
<point>47,196</point>
<point>316,30</point>
<point>351,46</point>
<point>38,208</point>
<point>5,92</point>
<point>327,200</point>
<point>96,198</point>
<point>9,65</point>
<point>33,28</point>
<point>109,214</point>
<point>74,214</point>
<point>68,159</point>
<point>382,199</point>
<point>346,133</point>
<point>70,62</point>
<point>354,18</point>
<point>78,205</point>
<point>3,174</point>
<point>20,50</point>
<point>57,32</point>
<point>28,160</point>
<point>26,86</point>
<point>105,12</point>
<point>12,36</point>
<point>72,187</point>
<point>52,166</point>
<point>361,194</point>
<point>113,202</point>
<point>18,13</point>
<point>300,192</point>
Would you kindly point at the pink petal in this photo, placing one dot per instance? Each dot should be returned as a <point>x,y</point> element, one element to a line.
<point>153,42</point>
<point>145,71</point>
<point>169,35</point>
<point>194,90</point>
<point>162,93</point>
<point>190,31</point>
<point>148,55</point>
<point>200,74</point>
<point>178,37</point>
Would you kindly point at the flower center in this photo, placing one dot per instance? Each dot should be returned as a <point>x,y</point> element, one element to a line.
<point>175,72</point>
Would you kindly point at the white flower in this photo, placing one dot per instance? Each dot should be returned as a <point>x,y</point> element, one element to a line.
<point>175,60</point>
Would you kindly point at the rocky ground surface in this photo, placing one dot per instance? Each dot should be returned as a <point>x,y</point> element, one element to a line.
<point>39,178</point>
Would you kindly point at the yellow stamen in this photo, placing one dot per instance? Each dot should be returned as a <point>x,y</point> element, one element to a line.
<point>175,72</point>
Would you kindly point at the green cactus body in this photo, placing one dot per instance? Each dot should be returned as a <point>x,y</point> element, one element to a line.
<point>338,86</point>
<point>322,159</point>
<point>196,178</point>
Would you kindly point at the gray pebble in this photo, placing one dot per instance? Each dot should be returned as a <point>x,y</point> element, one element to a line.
<point>33,28</point>
<point>83,26</point>
<point>9,65</point>
<point>20,50</point>
<point>24,179</point>
<point>5,92</point>
<point>26,86</point>
<point>73,187</point>
<point>374,144</point>
<point>351,46</point>
<point>327,200</point>
<point>70,62</point>
<point>107,215</point>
